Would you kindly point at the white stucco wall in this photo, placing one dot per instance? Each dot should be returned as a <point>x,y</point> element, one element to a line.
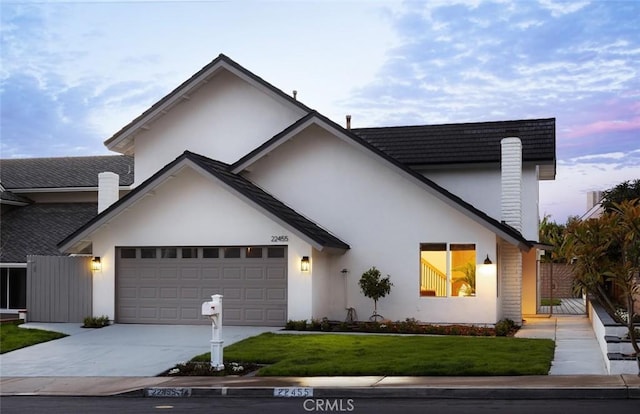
<point>384,217</point>
<point>193,210</point>
<point>480,186</point>
<point>224,120</point>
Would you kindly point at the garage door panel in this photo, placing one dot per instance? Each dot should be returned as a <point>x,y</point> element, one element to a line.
<point>168,272</point>
<point>276,273</point>
<point>254,315</point>
<point>230,294</point>
<point>148,293</point>
<point>127,293</point>
<point>148,273</point>
<point>253,294</point>
<point>171,290</point>
<point>169,314</point>
<point>190,293</point>
<point>231,315</point>
<point>189,273</point>
<point>277,295</point>
<point>275,315</point>
<point>211,273</point>
<point>169,293</point>
<point>254,273</point>
<point>232,273</point>
<point>148,312</point>
<point>190,313</point>
<point>128,312</point>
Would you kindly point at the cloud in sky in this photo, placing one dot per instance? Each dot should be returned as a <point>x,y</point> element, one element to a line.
<point>74,73</point>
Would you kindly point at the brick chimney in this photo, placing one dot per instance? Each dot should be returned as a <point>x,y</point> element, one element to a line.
<point>108,190</point>
<point>511,180</point>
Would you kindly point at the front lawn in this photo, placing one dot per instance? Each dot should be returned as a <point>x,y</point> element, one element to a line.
<point>13,337</point>
<point>550,302</point>
<point>352,355</point>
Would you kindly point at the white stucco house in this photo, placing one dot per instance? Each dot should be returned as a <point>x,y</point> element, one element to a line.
<point>242,190</point>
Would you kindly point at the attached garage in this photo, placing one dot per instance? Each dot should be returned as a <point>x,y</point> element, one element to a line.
<point>167,285</point>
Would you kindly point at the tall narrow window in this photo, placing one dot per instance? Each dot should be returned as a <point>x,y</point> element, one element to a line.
<point>463,269</point>
<point>433,269</point>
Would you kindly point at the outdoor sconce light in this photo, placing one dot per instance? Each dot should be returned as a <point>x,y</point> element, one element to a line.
<point>304,264</point>
<point>487,260</point>
<point>96,265</point>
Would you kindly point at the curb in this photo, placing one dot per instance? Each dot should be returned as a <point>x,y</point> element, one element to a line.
<point>617,393</point>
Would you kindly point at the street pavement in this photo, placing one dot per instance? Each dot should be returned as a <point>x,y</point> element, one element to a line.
<point>97,357</point>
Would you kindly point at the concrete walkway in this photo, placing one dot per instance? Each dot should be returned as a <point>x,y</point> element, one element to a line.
<point>119,350</point>
<point>577,351</point>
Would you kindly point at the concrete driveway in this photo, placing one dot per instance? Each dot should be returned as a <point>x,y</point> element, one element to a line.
<point>116,350</point>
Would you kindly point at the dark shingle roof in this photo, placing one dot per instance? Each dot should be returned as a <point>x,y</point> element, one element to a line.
<point>63,171</point>
<point>37,228</point>
<point>267,201</point>
<point>15,198</point>
<point>465,143</point>
<point>243,186</point>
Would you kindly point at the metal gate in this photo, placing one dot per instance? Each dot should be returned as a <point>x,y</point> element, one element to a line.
<point>59,288</point>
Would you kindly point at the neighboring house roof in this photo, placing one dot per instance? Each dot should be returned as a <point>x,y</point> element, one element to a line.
<point>63,172</point>
<point>505,231</point>
<point>466,143</point>
<point>122,141</point>
<point>37,228</point>
<point>303,227</point>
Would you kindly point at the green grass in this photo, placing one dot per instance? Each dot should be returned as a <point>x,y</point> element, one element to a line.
<point>13,337</point>
<point>549,302</point>
<point>350,355</point>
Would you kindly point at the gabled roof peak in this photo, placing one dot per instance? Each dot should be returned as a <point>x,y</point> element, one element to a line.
<point>122,141</point>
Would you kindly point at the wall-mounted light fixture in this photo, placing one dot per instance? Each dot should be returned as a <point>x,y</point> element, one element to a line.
<point>487,260</point>
<point>96,265</point>
<point>304,264</point>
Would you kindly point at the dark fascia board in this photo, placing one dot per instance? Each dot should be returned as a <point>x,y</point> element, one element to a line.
<point>80,237</point>
<point>503,230</point>
<point>165,103</point>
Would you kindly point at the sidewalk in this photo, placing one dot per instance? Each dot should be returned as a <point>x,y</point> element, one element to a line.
<point>577,372</point>
<point>577,351</point>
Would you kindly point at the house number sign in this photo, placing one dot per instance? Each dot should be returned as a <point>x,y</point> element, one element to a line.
<point>289,392</point>
<point>279,239</point>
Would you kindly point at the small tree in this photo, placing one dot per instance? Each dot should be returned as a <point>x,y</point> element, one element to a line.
<point>374,286</point>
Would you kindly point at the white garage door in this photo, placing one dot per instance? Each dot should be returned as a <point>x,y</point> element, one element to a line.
<point>167,285</point>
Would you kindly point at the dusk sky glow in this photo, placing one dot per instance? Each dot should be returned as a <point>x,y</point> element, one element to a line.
<point>75,72</point>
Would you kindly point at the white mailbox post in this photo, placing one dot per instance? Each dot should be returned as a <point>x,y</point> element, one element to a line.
<point>213,310</point>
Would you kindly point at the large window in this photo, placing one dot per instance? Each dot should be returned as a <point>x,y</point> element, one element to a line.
<point>13,288</point>
<point>447,269</point>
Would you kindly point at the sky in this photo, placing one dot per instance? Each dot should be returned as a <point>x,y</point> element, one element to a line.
<point>74,72</point>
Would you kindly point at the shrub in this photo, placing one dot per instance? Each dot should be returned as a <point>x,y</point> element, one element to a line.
<point>504,327</point>
<point>300,325</point>
<point>96,322</point>
<point>315,325</point>
<point>325,326</point>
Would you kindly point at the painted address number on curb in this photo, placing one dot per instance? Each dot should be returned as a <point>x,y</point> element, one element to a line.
<point>293,392</point>
<point>168,392</point>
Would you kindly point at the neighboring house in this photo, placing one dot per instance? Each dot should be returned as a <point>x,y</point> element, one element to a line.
<point>594,205</point>
<point>242,190</point>
<point>44,200</point>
